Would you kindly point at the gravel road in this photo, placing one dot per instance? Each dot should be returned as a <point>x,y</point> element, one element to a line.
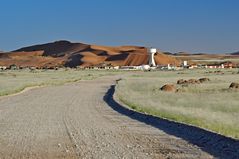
<point>74,121</point>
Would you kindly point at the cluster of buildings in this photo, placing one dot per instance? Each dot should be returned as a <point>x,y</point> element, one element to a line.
<point>151,65</point>
<point>222,65</point>
<point>11,67</point>
<point>15,67</point>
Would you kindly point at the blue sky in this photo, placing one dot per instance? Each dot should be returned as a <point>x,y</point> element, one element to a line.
<point>172,25</point>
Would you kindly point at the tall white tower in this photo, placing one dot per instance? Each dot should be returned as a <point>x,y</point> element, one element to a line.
<point>152,52</point>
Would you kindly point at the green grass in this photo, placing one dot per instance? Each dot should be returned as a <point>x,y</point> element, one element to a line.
<point>210,105</point>
<point>15,81</point>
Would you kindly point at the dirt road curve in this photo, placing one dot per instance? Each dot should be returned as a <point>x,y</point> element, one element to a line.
<point>74,121</point>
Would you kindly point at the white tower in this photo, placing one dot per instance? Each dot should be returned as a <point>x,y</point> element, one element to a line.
<point>185,63</point>
<point>151,53</point>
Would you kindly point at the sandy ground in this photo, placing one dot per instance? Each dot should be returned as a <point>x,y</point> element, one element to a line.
<point>74,121</point>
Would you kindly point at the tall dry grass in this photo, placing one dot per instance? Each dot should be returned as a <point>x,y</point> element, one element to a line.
<point>17,80</point>
<point>210,105</point>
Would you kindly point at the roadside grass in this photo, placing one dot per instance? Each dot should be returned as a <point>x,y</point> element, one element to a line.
<point>210,105</point>
<point>15,81</point>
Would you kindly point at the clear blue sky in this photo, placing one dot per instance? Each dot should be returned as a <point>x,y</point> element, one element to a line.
<point>172,25</point>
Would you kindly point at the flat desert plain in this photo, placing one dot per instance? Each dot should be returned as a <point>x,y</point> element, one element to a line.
<point>104,114</point>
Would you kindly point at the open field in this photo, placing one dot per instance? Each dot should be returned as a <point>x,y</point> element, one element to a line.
<point>83,119</point>
<point>80,120</point>
<point>210,105</point>
<point>16,81</point>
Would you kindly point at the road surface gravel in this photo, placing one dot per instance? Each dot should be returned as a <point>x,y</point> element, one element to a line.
<point>74,121</point>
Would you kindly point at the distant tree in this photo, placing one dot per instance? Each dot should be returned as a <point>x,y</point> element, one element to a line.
<point>13,67</point>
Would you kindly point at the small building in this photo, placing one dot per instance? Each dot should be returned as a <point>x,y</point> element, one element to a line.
<point>80,67</point>
<point>116,67</point>
<point>128,67</point>
<point>3,67</point>
<point>229,65</point>
<point>212,66</point>
<point>193,66</point>
<point>100,66</point>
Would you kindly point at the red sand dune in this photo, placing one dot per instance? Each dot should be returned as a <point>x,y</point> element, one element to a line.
<point>65,53</point>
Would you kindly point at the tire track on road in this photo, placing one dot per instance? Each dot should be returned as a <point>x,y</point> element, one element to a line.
<point>75,117</point>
